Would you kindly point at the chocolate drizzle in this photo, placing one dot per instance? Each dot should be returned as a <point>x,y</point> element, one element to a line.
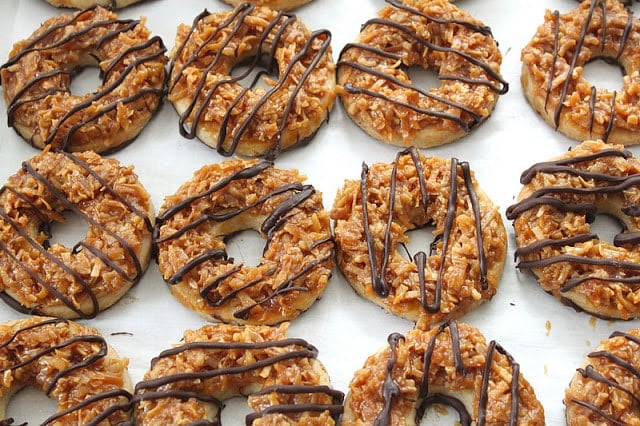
<point>233,132</point>
<point>596,7</point>
<point>89,356</point>
<point>176,385</point>
<point>56,261</point>
<point>378,273</point>
<point>604,184</point>
<point>391,390</point>
<point>462,115</point>
<point>590,372</point>
<point>296,195</point>
<point>125,65</point>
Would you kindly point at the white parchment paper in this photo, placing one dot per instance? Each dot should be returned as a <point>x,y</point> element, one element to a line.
<point>548,339</point>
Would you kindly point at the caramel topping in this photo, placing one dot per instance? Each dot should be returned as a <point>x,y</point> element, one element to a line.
<point>548,196</point>
<point>277,369</point>
<point>378,279</point>
<point>122,258</point>
<point>246,195</point>
<point>450,364</point>
<point>123,85</point>
<point>246,107</point>
<point>433,36</point>
<point>59,352</point>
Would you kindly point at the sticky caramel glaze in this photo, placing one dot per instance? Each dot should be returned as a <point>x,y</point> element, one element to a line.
<point>255,121</point>
<point>465,259</point>
<point>83,4</point>
<point>285,5</point>
<point>229,197</point>
<point>39,277</point>
<point>379,95</point>
<point>448,365</point>
<point>62,358</point>
<point>283,380</point>
<point>37,78</point>
<point>559,200</point>
<point>603,390</point>
<point>552,72</point>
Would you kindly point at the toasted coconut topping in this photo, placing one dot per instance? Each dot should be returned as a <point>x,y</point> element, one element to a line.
<point>460,269</point>
<point>229,197</point>
<point>273,4</point>
<point>37,276</point>
<point>559,200</point>
<point>377,91</point>
<point>71,363</point>
<point>451,365</point>
<point>37,78</point>
<point>284,382</point>
<point>253,120</point>
<point>603,390</point>
<point>553,72</point>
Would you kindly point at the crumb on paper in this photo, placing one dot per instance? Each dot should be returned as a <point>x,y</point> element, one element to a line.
<point>546,370</point>
<point>512,303</point>
<point>592,322</point>
<point>547,325</point>
<point>441,409</point>
<point>588,342</point>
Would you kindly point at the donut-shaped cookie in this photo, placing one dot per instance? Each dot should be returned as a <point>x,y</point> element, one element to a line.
<point>376,89</point>
<point>83,4</point>
<point>234,116</point>
<point>462,266</point>
<point>604,389</point>
<point>223,199</point>
<point>38,276</point>
<point>273,4</point>
<point>552,217</point>
<point>553,66</point>
<point>450,365</point>
<point>70,363</point>
<point>282,378</point>
<point>37,78</point>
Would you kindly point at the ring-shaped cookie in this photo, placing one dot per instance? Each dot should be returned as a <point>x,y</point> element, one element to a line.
<point>553,72</point>
<point>37,77</point>
<point>215,106</point>
<point>83,4</point>
<point>376,89</point>
<point>283,380</point>
<point>450,365</point>
<point>223,199</point>
<point>285,5</point>
<point>603,389</point>
<point>37,276</point>
<point>558,202</point>
<point>461,269</point>
<point>62,358</point>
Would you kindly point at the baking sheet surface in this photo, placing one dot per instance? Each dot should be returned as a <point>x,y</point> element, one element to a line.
<point>547,339</point>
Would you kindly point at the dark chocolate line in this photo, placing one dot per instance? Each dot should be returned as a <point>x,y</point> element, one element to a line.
<point>307,351</point>
<point>482,29</point>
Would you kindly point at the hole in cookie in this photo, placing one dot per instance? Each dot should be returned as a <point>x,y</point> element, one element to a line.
<point>70,232</point>
<point>254,77</point>
<point>423,78</point>
<point>604,74</point>
<point>235,410</point>
<point>31,404</point>
<point>245,247</point>
<point>420,239</point>
<point>86,80</point>
<point>438,414</point>
<point>606,227</point>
